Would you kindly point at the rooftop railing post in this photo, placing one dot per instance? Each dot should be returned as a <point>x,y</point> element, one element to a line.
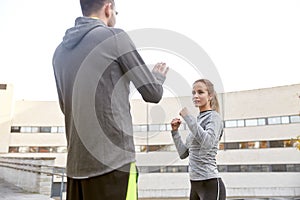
<point>62,185</point>
<point>52,182</point>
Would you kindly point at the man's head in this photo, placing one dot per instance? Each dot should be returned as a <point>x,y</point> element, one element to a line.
<point>102,9</point>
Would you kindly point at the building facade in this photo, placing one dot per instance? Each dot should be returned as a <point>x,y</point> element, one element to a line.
<point>257,157</point>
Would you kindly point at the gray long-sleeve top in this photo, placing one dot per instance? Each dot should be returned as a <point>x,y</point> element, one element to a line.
<point>201,144</point>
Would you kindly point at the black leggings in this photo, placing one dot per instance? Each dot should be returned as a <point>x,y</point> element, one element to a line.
<point>211,189</point>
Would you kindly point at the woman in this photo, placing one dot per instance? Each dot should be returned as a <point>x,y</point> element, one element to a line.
<point>202,143</point>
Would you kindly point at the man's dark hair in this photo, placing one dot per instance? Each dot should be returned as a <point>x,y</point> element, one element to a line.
<point>90,6</point>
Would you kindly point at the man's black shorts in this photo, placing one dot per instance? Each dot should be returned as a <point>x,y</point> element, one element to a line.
<point>119,184</point>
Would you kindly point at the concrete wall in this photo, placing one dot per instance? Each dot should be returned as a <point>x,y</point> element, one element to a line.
<point>262,102</point>
<point>6,104</point>
<point>26,173</point>
<point>259,156</point>
<point>39,139</point>
<point>238,185</point>
<point>164,112</point>
<point>37,113</point>
<point>261,133</point>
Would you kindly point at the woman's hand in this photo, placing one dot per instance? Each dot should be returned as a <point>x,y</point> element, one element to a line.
<point>175,123</point>
<point>184,112</point>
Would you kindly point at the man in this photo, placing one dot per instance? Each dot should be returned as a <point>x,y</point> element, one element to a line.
<point>93,67</point>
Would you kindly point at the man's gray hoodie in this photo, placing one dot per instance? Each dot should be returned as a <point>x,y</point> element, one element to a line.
<point>93,67</point>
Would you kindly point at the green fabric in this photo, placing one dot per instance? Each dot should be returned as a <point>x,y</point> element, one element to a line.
<point>132,186</point>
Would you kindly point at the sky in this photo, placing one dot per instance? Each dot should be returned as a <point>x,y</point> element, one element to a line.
<point>252,43</point>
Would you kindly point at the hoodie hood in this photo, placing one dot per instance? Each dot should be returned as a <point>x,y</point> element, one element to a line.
<point>83,25</point>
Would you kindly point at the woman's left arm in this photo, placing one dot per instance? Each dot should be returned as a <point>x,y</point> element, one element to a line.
<point>205,137</point>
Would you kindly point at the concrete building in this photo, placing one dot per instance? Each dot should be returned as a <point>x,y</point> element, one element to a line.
<point>257,157</point>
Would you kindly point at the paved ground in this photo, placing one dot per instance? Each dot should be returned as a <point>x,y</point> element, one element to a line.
<point>11,192</point>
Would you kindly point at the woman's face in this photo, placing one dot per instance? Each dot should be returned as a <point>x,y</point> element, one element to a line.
<point>201,98</point>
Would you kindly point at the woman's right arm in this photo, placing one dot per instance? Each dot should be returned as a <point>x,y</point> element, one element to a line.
<point>182,149</point>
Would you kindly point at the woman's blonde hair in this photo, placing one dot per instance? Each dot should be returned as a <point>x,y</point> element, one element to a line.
<point>214,103</point>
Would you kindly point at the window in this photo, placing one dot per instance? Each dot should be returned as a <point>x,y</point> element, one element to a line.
<point>251,122</point>
<point>172,169</point>
<point>261,121</point>
<point>25,129</point>
<point>265,168</point>
<point>163,169</point>
<point>154,127</point>
<point>290,168</point>
<point>23,149</point>
<point>295,119</point>
<point>44,150</point>
<point>244,168</point>
<point>61,129</point>
<point>221,146</point>
<point>136,128</point>
<point>15,129</point>
<point>35,129</point>
<point>137,148</point>
<point>285,120</point>
<point>233,145</point>
<point>263,144</point>
<point>278,168</point>
<point>274,120</point>
<point>222,168</point>
<point>33,149</point>
<point>274,144</point>
<point>162,127</point>
<point>143,148</point>
<point>288,143</point>
<point>172,148</point>
<point>257,144</point>
<point>13,149</point>
<point>53,150</point>
<point>61,150</point>
<point>243,145</point>
<point>36,149</point>
<point>139,128</point>
<point>153,169</point>
<point>54,129</point>
<point>253,145</point>
<point>230,123</point>
<point>296,167</point>
<point>45,129</point>
<point>233,168</point>
<point>254,168</point>
<point>169,128</point>
<point>3,86</point>
<point>241,123</point>
<point>155,147</point>
<point>183,168</point>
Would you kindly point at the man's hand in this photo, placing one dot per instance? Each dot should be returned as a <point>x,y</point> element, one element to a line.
<point>161,68</point>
